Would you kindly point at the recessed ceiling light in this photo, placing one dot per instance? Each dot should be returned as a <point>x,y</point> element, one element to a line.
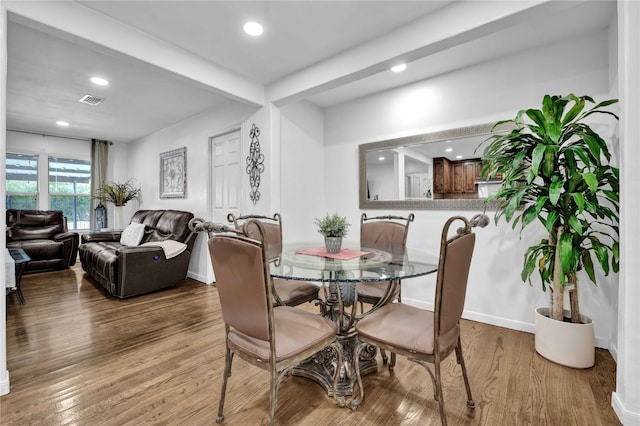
<point>458,157</point>
<point>449,149</point>
<point>99,81</point>
<point>253,29</point>
<point>399,68</point>
<point>381,158</point>
<point>62,123</point>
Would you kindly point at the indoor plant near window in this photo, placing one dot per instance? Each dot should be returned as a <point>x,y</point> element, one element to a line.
<point>119,194</point>
<point>556,172</point>
<point>334,228</point>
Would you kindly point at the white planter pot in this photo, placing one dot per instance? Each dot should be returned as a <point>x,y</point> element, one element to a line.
<point>565,343</point>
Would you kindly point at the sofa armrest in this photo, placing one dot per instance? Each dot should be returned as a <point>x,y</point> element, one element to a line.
<point>142,269</point>
<point>70,241</point>
<point>101,236</point>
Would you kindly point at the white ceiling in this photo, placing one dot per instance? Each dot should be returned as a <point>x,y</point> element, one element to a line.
<point>48,69</point>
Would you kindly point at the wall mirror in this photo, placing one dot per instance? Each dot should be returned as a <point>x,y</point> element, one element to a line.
<point>433,171</point>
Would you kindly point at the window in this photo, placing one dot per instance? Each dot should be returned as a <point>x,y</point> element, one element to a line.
<point>22,181</point>
<point>70,190</point>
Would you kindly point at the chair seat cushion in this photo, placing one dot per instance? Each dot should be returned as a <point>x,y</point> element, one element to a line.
<point>401,326</point>
<point>295,331</point>
<point>294,292</point>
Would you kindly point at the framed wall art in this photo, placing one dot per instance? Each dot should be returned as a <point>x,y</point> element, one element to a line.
<point>173,173</point>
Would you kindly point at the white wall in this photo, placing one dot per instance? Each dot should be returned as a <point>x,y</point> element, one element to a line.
<point>302,171</point>
<point>142,162</point>
<point>626,398</point>
<point>483,93</point>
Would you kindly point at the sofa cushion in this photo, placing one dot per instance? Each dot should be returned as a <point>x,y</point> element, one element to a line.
<point>132,234</point>
<point>34,224</point>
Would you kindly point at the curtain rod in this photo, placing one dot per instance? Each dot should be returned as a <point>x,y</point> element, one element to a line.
<point>54,136</point>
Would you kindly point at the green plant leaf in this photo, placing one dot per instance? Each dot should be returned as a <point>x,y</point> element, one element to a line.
<point>540,202</point>
<point>578,197</point>
<point>574,111</point>
<point>575,224</point>
<point>549,164</point>
<point>591,180</point>
<point>529,215</point>
<point>552,218</point>
<point>587,263</point>
<point>555,190</point>
<point>602,254</point>
<point>566,251</point>
<point>612,195</point>
<point>537,117</point>
<point>536,158</point>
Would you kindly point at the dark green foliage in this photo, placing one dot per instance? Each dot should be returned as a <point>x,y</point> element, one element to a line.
<point>332,225</point>
<point>118,193</point>
<point>556,169</point>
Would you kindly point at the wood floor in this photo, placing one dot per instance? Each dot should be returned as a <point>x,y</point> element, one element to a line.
<point>79,357</point>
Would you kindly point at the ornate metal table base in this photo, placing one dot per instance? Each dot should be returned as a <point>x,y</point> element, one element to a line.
<point>321,366</point>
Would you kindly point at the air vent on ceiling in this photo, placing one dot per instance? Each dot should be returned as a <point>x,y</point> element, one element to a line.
<point>91,100</point>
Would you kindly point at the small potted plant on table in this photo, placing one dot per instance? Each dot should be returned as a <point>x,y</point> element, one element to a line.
<point>334,228</point>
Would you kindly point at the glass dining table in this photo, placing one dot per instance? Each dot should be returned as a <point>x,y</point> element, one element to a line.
<point>339,275</point>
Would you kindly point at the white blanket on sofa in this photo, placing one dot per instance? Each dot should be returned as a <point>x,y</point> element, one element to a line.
<point>171,248</point>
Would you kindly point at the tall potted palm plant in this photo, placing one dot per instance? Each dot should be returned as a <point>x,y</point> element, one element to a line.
<point>556,172</point>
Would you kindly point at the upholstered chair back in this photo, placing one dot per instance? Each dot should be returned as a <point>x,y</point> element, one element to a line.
<point>240,280</point>
<point>451,287</point>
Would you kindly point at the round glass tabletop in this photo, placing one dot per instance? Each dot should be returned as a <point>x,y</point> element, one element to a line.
<point>309,262</point>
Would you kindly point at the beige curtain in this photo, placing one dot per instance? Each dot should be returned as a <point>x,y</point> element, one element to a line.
<point>99,156</point>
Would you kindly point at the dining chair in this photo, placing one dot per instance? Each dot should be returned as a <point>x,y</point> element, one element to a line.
<point>427,337</point>
<point>274,338</point>
<point>286,292</point>
<point>387,233</point>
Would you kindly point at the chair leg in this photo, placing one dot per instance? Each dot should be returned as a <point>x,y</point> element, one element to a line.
<point>393,361</point>
<point>460,359</point>
<point>228,360</point>
<point>273,397</point>
<point>439,396</point>
<point>385,359</point>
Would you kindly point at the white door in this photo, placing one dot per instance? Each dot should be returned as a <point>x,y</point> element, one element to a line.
<point>226,160</point>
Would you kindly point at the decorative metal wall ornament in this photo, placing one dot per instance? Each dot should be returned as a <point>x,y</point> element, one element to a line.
<point>255,164</point>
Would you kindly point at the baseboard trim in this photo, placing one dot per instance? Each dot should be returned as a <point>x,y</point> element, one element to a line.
<point>4,384</point>
<point>501,322</point>
<point>625,416</point>
<point>198,277</point>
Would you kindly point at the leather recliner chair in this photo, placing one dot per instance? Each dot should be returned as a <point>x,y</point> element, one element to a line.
<point>126,271</point>
<point>44,237</point>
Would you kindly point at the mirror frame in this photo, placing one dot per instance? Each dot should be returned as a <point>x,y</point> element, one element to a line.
<point>442,204</point>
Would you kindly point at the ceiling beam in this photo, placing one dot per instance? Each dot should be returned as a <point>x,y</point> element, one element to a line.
<point>452,25</point>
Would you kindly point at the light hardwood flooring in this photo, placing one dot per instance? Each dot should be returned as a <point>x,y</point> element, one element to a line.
<point>79,357</point>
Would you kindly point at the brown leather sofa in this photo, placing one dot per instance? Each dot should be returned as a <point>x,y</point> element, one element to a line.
<point>44,237</point>
<point>125,270</point>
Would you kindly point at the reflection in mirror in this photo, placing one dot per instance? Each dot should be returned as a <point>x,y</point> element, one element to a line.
<point>430,171</point>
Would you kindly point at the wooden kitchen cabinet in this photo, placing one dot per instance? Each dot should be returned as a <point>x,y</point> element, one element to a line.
<point>469,176</point>
<point>441,175</point>
<point>464,177</point>
<point>455,177</point>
